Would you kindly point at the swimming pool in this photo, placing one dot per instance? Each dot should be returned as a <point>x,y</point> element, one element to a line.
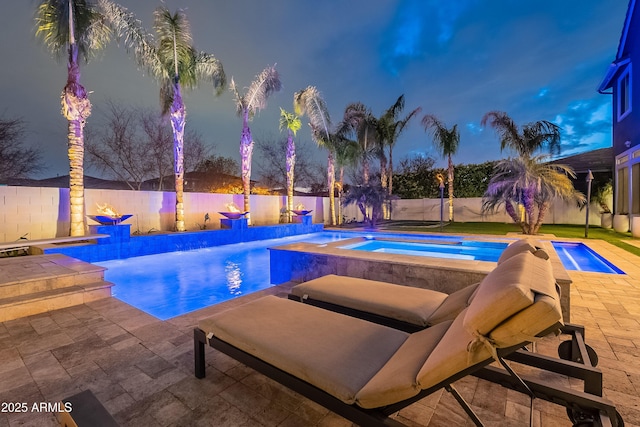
<point>580,257</point>
<point>174,283</point>
<point>464,249</point>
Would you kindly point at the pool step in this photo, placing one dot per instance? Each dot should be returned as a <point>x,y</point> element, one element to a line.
<point>41,283</point>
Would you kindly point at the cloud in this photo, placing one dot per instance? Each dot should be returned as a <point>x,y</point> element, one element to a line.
<point>420,26</point>
<point>586,125</point>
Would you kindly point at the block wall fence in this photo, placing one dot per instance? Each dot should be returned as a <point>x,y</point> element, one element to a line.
<point>43,212</point>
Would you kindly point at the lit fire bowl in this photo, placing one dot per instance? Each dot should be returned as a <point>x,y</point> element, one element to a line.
<point>109,220</point>
<point>233,215</point>
<point>302,212</point>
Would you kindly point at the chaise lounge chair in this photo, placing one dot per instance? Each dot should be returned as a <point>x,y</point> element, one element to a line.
<point>366,372</point>
<point>402,307</point>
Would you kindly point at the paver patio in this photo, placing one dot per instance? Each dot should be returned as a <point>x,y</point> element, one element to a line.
<point>141,368</point>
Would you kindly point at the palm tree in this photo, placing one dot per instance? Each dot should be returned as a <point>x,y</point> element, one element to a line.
<point>532,183</point>
<point>371,196</point>
<point>291,122</point>
<point>358,121</point>
<point>175,63</point>
<point>75,29</point>
<point>309,101</point>
<point>446,141</point>
<point>525,142</point>
<point>347,153</point>
<point>247,105</point>
<point>390,126</point>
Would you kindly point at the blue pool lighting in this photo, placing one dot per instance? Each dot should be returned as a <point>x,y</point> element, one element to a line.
<point>580,257</point>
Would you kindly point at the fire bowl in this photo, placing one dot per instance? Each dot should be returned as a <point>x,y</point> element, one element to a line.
<point>302,212</point>
<point>109,220</point>
<point>233,215</point>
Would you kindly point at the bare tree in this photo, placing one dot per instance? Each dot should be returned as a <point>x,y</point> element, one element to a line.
<point>136,144</point>
<point>117,149</point>
<point>272,167</point>
<point>16,160</point>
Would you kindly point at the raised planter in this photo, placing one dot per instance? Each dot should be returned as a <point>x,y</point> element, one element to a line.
<point>621,223</point>
<point>606,220</point>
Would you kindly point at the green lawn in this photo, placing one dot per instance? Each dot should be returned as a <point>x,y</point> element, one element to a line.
<point>569,231</point>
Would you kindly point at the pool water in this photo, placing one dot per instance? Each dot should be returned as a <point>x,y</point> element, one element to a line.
<point>580,257</point>
<point>464,250</point>
<point>174,283</point>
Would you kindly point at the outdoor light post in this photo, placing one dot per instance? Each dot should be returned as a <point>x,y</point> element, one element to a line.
<point>441,204</point>
<point>586,225</point>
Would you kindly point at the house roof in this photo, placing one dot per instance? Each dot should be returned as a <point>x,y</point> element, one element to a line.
<point>600,160</point>
<point>619,62</point>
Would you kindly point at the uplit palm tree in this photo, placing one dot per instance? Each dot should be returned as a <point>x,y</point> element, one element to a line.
<point>390,126</point>
<point>446,141</point>
<point>358,121</point>
<point>247,105</point>
<point>525,142</point>
<point>175,63</point>
<point>532,183</point>
<point>291,122</point>
<point>309,101</point>
<point>75,29</point>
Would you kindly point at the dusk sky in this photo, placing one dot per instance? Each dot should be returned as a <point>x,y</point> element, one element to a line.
<point>457,59</point>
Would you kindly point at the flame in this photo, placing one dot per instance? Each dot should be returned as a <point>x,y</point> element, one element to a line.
<point>231,207</point>
<point>107,210</point>
<point>300,207</point>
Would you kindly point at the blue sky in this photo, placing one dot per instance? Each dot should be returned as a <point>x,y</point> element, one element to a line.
<point>458,59</point>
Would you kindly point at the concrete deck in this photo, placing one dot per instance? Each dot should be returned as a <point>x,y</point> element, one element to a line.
<point>141,368</point>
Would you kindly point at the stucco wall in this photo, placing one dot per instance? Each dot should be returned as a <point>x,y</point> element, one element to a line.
<point>40,213</point>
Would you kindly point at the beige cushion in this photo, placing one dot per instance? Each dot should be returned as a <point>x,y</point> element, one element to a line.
<point>450,355</point>
<point>396,381</point>
<point>523,245</point>
<point>523,326</point>
<point>336,353</point>
<point>453,305</point>
<point>505,291</point>
<point>405,303</point>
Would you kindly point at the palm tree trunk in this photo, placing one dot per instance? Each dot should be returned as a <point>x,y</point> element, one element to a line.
<point>340,193</point>
<point>511,211</point>
<point>291,163</point>
<point>365,170</point>
<point>246,152</point>
<point>331,182</point>
<point>76,108</point>
<point>528,203</point>
<point>542,212</point>
<point>178,119</point>
<point>450,177</point>
<point>384,182</point>
<point>389,211</point>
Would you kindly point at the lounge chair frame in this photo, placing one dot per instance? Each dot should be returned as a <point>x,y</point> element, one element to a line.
<point>587,404</point>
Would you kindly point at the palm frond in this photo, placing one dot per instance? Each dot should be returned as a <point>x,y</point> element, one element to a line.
<point>505,127</point>
<point>309,102</point>
<point>91,31</point>
<point>208,67</point>
<point>174,43</point>
<point>262,86</point>
<point>134,37</point>
<point>289,121</point>
<point>446,140</point>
